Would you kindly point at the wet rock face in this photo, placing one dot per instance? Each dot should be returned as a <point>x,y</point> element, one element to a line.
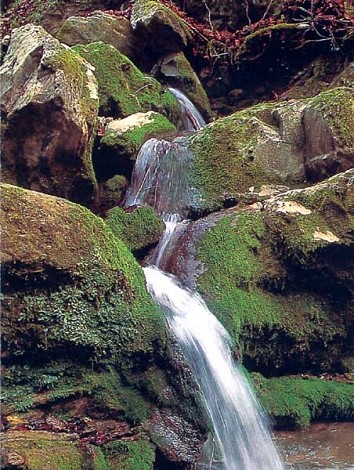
<point>49,105</point>
<point>178,440</point>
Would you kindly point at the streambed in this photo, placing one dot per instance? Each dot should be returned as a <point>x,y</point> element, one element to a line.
<point>323,446</point>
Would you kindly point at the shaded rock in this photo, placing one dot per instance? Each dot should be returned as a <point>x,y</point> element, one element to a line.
<point>123,89</point>
<point>160,26</point>
<point>138,228</point>
<point>63,266</point>
<point>123,138</point>
<point>99,26</point>
<point>49,105</point>
<point>177,71</point>
<point>277,274</point>
<point>53,15</point>
<point>329,133</point>
<point>111,193</point>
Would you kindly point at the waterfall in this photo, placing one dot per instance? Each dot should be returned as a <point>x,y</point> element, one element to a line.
<point>240,432</point>
<point>192,120</point>
<point>160,178</point>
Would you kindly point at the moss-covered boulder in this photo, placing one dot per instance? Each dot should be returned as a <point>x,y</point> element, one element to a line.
<point>273,143</point>
<point>296,401</point>
<point>49,105</point>
<point>84,347</point>
<point>160,26</point>
<point>110,193</point>
<point>81,289</point>
<point>138,228</point>
<point>99,26</point>
<point>178,72</point>
<point>278,274</point>
<point>123,89</point>
<point>123,138</point>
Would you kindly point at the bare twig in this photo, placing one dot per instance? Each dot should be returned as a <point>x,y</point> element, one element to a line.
<point>267,9</point>
<point>209,15</point>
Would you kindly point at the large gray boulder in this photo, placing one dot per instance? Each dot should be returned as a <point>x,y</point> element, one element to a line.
<point>99,26</point>
<point>49,104</point>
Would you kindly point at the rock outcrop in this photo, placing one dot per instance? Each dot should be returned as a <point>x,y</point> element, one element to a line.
<point>49,105</point>
<point>78,325</point>
<point>284,143</point>
<point>162,29</point>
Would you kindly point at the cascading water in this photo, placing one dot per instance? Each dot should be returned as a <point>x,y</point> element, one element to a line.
<point>191,120</point>
<point>160,179</point>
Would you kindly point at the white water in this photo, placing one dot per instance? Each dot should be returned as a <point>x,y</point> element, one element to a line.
<point>192,119</point>
<point>243,442</point>
<point>240,432</point>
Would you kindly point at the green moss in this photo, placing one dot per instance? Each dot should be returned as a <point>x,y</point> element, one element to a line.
<point>130,455</point>
<point>123,88</point>
<point>297,402</point>
<point>81,286</point>
<point>272,330</point>
<point>25,388</point>
<point>129,142</point>
<point>224,164</point>
<point>137,229</point>
<point>39,449</point>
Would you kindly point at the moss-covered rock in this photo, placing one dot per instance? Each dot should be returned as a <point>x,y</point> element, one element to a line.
<point>138,228</point>
<point>130,455</point>
<point>123,89</point>
<point>34,450</point>
<point>110,193</point>
<point>273,143</point>
<point>122,140</point>
<point>160,25</point>
<point>99,26</point>
<point>80,335</point>
<point>49,103</point>
<point>81,289</point>
<point>278,275</point>
<point>295,402</point>
<point>178,72</point>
